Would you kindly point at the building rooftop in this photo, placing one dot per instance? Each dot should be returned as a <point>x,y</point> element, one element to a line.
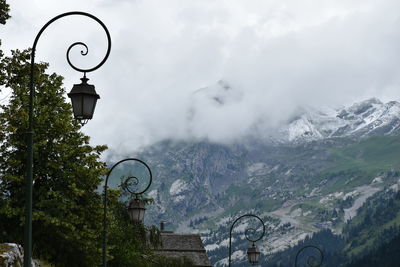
<point>184,245</point>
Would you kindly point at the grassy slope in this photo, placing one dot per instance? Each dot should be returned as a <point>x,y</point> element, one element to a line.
<point>379,153</point>
<point>359,163</point>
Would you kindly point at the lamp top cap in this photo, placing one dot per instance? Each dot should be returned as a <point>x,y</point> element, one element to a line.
<point>253,249</point>
<point>83,88</point>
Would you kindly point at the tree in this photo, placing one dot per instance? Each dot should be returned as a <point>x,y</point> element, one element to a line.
<point>4,15</point>
<point>4,11</point>
<point>127,243</point>
<point>66,206</point>
<point>67,209</point>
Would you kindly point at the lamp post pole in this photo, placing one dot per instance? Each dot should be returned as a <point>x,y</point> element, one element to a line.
<point>249,239</point>
<point>29,171</point>
<point>140,209</point>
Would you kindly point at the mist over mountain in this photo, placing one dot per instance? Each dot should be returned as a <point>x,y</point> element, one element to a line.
<point>299,124</point>
<point>227,114</point>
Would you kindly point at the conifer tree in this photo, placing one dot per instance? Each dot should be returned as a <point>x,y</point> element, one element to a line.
<point>67,208</point>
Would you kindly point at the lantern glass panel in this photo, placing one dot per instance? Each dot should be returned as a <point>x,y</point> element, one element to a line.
<point>84,98</point>
<point>136,210</point>
<point>133,214</point>
<point>253,254</point>
<point>77,104</point>
<point>89,104</point>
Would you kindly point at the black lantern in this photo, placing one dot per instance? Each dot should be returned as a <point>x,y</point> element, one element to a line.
<point>136,210</point>
<point>83,97</point>
<point>253,254</point>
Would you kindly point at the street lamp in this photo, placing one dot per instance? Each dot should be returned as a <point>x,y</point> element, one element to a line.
<point>136,207</point>
<point>253,253</point>
<point>83,99</point>
<point>83,119</point>
<point>310,260</point>
<point>136,210</point>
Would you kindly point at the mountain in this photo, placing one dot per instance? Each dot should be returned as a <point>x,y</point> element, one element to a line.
<point>324,167</point>
<point>370,117</point>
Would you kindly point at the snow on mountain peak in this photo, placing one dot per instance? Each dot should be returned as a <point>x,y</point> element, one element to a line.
<point>368,117</point>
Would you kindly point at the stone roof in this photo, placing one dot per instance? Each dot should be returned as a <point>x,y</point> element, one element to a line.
<point>184,245</point>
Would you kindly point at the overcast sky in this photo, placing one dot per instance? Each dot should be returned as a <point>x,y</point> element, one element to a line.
<point>274,55</point>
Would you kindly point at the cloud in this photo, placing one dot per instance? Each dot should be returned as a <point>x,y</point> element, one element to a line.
<point>275,55</point>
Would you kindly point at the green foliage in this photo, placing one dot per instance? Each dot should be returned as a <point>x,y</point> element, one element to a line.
<point>4,11</point>
<point>387,255</point>
<point>377,221</point>
<point>67,210</point>
<point>128,242</point>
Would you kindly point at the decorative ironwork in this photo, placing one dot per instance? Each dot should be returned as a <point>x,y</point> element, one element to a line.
<point>126,183</point>
<point>246,232</point>
<point>311,260</point>
<point>29,172</point>
<point>130,182</point>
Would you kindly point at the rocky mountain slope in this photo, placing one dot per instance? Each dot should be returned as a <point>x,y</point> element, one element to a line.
<point>370,117</point>
<point>321,170</point>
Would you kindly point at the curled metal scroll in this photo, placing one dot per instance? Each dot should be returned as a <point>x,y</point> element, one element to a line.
<point>83,52</point>
<point>311,261</point>
<point>132,181</point>
<point>246,232</point>
<point>129,182</point>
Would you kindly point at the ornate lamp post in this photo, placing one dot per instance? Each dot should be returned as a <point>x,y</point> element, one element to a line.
<point>136,208</point>
<point>311,260</point>
<point>83,102</point>
<point>253,253</point>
